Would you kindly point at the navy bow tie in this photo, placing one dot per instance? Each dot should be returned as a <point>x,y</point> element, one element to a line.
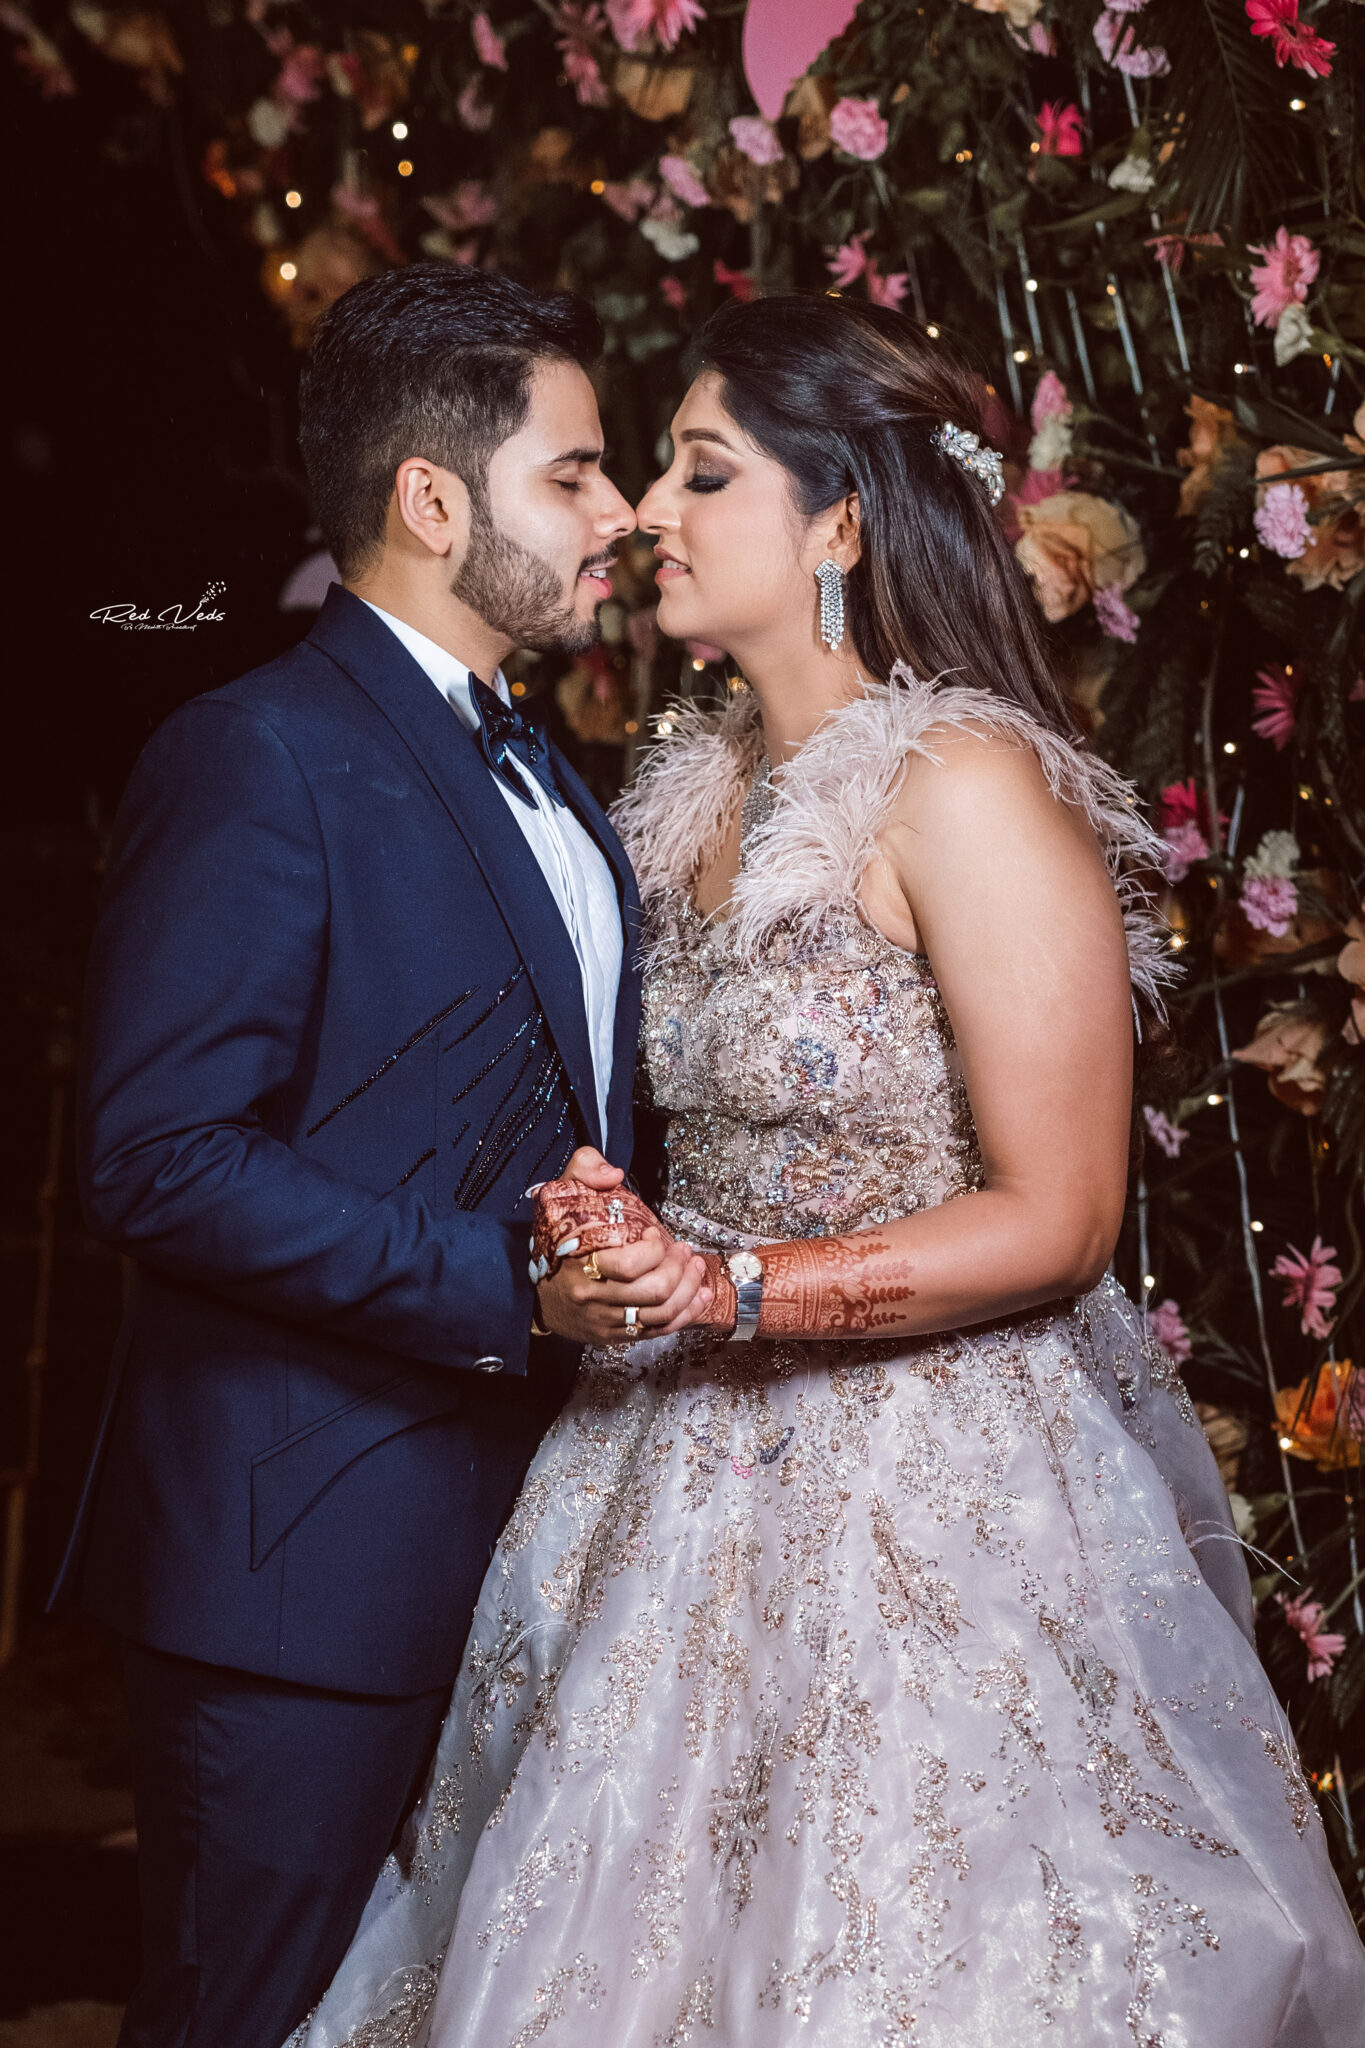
<point>506,736</point>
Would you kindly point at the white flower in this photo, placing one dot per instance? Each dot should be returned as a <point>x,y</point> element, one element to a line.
<point>672,243</point>
<point>1051,444</point>
<point>265,225</point>
<point>1275,858</point>
<point>1243,1517</point>
<point>269,123</point>
<point>1134,174</point>
<point>1293,334</point>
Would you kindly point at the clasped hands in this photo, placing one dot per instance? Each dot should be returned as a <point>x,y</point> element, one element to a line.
<point>587,1219</point>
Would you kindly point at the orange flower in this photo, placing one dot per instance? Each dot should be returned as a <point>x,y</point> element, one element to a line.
<point>1213,430</point>
<point>1351,967</point>
<point>325,264</point>
<point>1327,1426</point>
<point>1336,506</point>
<point>1073,544</point>
<point>1286,1045</point>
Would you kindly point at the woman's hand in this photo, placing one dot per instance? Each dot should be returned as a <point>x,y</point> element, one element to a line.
<point>588,1215</point>
<point>586,1210</point>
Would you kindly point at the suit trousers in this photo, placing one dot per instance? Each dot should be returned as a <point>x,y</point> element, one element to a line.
<point>264,1813</point>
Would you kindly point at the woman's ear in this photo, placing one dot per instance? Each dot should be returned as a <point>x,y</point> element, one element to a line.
<point>837,534</point>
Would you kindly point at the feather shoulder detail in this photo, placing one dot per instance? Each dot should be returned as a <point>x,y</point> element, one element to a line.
<point>809,858</point>
<point>674,817</point>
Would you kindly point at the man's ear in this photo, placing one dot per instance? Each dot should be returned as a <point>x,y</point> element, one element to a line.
<point>431,505</point>
<point>837,534</point>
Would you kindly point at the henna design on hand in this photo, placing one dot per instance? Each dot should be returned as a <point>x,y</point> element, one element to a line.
<point>816,1287</point>
<point>586,1220</point>
<point>833,1287</point>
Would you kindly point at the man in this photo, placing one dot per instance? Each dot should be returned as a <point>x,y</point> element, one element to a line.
<point>360,979</point>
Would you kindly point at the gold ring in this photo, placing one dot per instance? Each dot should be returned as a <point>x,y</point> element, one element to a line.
<point>591,1269</point>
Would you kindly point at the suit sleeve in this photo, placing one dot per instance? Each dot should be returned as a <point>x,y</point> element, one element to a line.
<point>207,964</point>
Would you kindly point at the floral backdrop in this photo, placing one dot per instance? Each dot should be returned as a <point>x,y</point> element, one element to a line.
<point>1144,221</point>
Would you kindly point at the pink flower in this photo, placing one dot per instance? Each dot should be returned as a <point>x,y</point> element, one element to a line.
<point>1312,1284</point>
<point>1118,621</point>
<point>470,205</point>
<point>848,262</point>
<point>682,181</point>
<point>756,138</point>
<point>739,282</point>
<point>1282,522</point>
<point>666,20</point>
<point>298,75</point>
<point>1184,826</point>
<point>1187,845</point>
<point>674,293</point>
<point>581,70</point>
<point>1306,1617</point>
<point>628,201</point>
<point>887,291</point>
<point>1291,264</point>
<point>579,21</point>
<point>1059,128</point>
<point>1274,698</point>
<point>1180,805</point>
<point>363,209</point>
<point>1039,484</point>
<point>473,109</point>
<point>488,43</point>
<point>858,128</point>
<point>1295,42</point>
<point>1167,1325</point>
<point>1269,902</point>
<point>1050,401</point>
<point>1169,250</point>
<point>1169,1136</point>
<point>1116,41</point>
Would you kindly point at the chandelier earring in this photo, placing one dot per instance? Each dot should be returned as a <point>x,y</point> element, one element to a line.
<point>830,578</point>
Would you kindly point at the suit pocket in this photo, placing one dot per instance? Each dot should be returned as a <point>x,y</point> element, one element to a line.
<point>291,1476</point>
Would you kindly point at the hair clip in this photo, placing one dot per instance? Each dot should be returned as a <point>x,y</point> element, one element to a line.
<point>966,450</point>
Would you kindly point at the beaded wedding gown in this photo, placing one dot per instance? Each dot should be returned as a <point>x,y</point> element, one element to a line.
<point>861,1694</point>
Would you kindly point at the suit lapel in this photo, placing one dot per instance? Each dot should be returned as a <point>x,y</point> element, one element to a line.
<point>448,755</point>
<point>627,1036</point>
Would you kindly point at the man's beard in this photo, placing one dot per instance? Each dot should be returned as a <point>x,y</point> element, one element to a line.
<point>516,592</point>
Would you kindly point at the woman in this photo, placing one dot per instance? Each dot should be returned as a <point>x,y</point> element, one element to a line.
<point>870,1662</point>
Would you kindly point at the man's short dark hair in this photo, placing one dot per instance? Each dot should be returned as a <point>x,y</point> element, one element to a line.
<point>433,359</point>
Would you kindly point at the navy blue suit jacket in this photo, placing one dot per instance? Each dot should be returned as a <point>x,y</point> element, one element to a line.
<point>335,1027</point>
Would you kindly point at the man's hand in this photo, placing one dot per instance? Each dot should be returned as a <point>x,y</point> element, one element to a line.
<point>586,1213</point>
<point>665,1282</point>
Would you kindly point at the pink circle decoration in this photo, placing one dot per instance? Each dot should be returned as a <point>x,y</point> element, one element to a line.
<point>782,39</point>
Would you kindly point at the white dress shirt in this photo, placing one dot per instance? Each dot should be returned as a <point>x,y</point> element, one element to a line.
<point>566,853</point>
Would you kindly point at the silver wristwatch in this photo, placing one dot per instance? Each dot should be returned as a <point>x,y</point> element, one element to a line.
<point>746,1271</point>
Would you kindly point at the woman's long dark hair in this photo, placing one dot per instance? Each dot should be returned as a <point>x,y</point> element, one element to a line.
<point>846,397</point>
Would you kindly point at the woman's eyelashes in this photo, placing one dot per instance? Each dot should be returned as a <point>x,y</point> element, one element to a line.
<point>705,480</point>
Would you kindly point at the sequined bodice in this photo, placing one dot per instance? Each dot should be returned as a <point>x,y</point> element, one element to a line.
<point>810,1091</point>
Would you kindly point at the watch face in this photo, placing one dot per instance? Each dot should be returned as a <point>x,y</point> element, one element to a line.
<point>744,1266</point>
